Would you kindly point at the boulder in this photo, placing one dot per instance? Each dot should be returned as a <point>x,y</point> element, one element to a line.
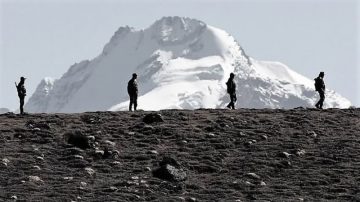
<point>170,170</point>
<point>153,118</point>
<point>78,139</point>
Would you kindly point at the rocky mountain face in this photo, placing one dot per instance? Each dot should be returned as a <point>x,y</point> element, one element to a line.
<point>181,63</point>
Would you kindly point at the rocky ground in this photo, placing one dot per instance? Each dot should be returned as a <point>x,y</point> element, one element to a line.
<point>201,155</point>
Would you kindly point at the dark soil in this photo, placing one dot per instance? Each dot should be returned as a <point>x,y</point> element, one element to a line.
<point>221,155</point>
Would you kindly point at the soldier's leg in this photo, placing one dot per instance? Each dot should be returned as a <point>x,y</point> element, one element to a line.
<point>317,105</point>
<point>135,102</point>
<point>131,102</point>
<point>322,98</point>
<point>21,105</point>
<point>233,100</point>
<point>229,105</point>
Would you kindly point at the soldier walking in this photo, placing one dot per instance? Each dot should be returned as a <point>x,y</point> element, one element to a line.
<point>320,88</point>
<point>231,89</point>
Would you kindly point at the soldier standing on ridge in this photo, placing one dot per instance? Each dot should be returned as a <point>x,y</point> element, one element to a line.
<point>21,93</point>
<point>320,87</point>
<point>231,89</point>
<point>133,91</point>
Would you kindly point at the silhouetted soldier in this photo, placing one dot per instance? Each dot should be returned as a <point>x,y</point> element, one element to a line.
<point>133,91</point>
<point>320,87</point>
<point>231,89</point>
<point>21,93</point>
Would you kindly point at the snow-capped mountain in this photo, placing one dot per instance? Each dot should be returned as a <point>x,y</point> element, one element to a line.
<point>181,63</point>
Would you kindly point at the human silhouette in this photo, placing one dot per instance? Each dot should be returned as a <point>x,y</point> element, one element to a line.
<point>231,89</point>
<point>320,87</point>
<point>21,93</point>
<point>133,91</point>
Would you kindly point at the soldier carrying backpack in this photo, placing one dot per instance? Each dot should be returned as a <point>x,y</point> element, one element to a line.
<point>320,88</point>
<point>21,93</point>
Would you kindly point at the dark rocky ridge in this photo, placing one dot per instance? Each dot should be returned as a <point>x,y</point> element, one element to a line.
<point>241,155</point>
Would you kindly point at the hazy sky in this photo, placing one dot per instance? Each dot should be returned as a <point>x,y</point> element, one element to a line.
<point>41,38</point>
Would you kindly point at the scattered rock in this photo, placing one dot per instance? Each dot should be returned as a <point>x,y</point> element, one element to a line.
<point>134,177</point>
<point>262,183</point>
<point>115,163</point>
<point>78,139</point>
<point>40,158</point>
<point>153,118</point>
<point>253,175</point>
<point>264,137</point>
<point>300,152</point>
<point>148,127</point>
<point>36,129</point>
<point>153,152</point>
<point>284,155</point>
<point>285,164</point>
<point>170,170</point>
<point>90,171</point>
<point>83,185</point>
<point>78,157</point>
<point>68,178</point>
<point>37,167</point>
<point>242,134</point>
<point>249,143</point>
<point>115,154</point>
<point>14,197</point>
<point>191,199</point>
<point>98,153</point>
<point>249,183</point>
<point>181,198</point>
<point>35,179</point>
<point>312,134</point>
<point>109,143</point>
<point>5,161</point>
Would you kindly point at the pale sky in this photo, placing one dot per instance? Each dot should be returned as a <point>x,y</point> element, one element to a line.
<point>43,38</point>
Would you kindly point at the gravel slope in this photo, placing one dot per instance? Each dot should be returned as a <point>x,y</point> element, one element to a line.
<point>241,155</point>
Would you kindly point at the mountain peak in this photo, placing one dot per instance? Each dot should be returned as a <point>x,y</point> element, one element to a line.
<point>176,29</point>
<point>182,63</point>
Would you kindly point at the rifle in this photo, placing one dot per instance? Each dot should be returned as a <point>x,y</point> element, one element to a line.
<point>17,87</point>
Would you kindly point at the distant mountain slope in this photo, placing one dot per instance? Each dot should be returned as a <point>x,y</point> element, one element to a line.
<point>182,63</point>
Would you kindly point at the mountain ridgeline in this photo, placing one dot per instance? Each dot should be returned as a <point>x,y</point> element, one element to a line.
<point>181,63</point>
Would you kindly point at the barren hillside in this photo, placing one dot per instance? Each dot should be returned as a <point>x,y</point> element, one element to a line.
<point>211,155</point>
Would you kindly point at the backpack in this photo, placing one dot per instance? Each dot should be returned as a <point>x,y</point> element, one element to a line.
<point>318,84</point>
<point>21,90</point>
<point>230,87</point>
